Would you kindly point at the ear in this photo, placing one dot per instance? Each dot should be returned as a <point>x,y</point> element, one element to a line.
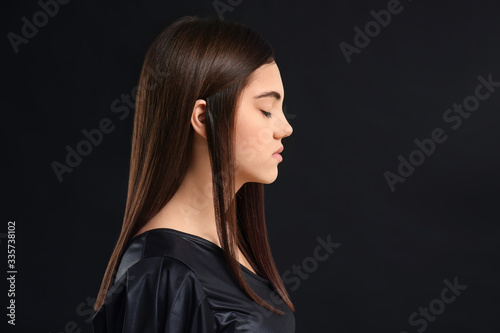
<point>198,117</point>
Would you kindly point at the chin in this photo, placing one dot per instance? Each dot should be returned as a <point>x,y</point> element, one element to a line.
<point>261,177</point>
<point>268,179</point>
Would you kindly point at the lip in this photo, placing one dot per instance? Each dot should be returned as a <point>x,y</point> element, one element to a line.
<point>279,150</point>
<point>277,155</point>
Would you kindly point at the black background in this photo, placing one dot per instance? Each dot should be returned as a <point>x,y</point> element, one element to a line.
<point>351,122</point>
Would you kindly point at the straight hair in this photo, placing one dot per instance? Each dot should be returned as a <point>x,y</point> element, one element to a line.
<point>197,58</point>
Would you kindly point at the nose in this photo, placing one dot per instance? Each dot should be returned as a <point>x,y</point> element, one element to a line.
<point>282,128</point>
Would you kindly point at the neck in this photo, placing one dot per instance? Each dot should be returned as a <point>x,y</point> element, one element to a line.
<point>191,209</point>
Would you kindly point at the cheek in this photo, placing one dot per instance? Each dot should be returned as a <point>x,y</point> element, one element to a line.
<point>253,138</point>
<point>264,137</point>
<point>246,151</point>
<point>253,145</point>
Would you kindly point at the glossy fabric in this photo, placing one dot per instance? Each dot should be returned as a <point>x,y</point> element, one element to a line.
<point>171,281</point>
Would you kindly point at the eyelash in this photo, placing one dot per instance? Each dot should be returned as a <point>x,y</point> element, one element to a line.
<point>267,114</point>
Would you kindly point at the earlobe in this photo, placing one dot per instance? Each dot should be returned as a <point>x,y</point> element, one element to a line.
<point>198,117</point>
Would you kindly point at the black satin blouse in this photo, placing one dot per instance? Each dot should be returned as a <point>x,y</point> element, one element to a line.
<point>171,281</point>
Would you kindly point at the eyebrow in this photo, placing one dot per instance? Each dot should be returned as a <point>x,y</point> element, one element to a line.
<point>269,94</point>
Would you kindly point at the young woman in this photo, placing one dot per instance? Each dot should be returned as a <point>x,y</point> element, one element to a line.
<point>193,253</point>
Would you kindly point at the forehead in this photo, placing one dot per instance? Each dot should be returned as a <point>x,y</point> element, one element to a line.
<point>265,78</point>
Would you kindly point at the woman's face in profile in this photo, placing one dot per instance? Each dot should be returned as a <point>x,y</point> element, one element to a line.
<point>260,124</point>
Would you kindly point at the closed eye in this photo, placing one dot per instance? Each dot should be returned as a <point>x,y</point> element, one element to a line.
<point>267,114</point>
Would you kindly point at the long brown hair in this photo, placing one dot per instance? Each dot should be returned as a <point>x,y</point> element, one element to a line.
<point>197,58</point>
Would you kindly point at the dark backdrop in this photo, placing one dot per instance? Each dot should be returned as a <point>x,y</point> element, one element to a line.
<point>397,252</point>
